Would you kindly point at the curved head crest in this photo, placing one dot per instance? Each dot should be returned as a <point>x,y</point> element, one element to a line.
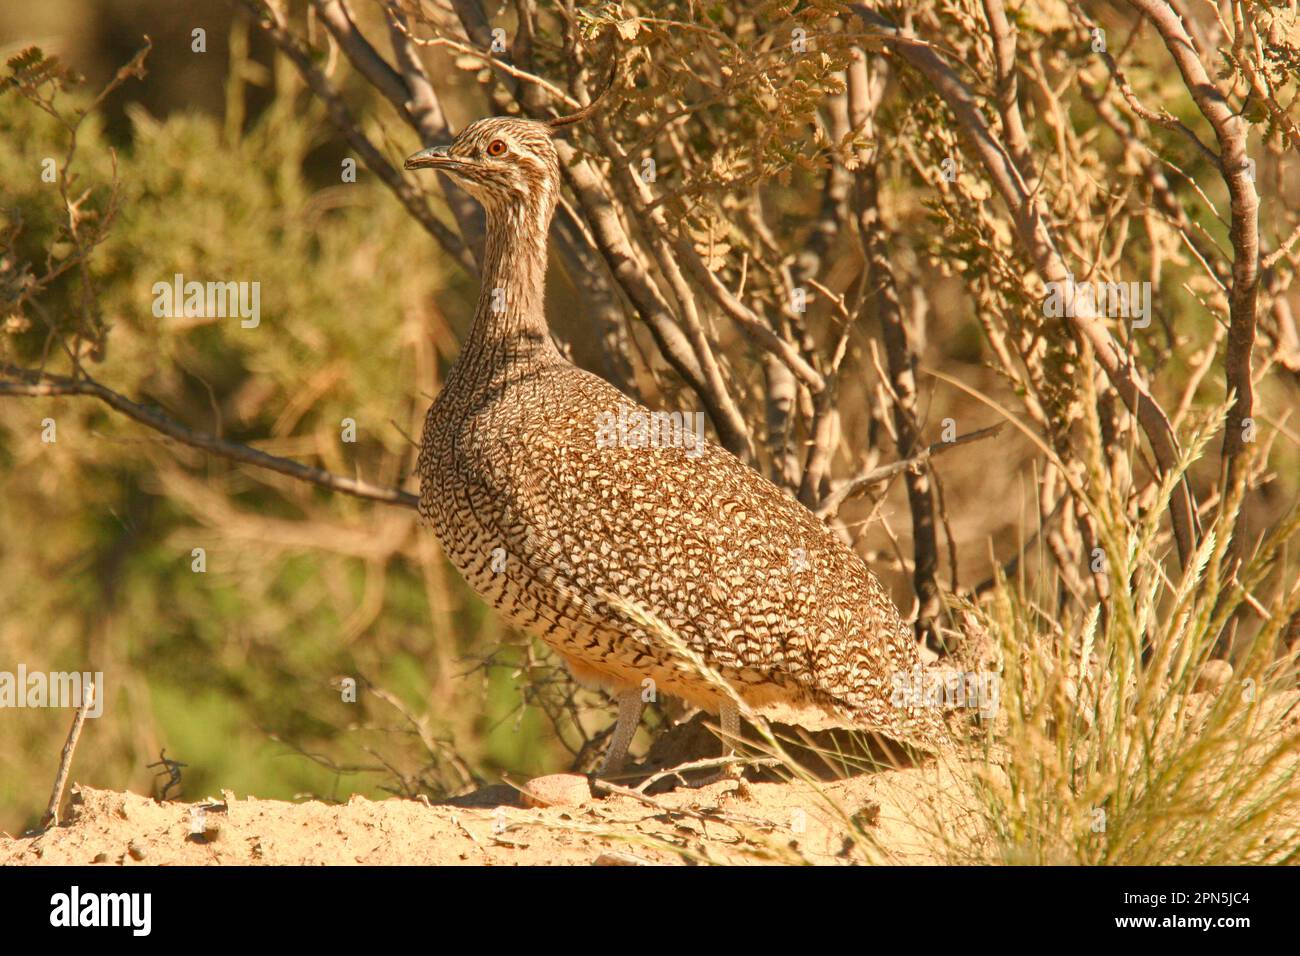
<point>590,109</point>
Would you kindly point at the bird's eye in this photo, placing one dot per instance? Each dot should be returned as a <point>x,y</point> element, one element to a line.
<point>497,147</point>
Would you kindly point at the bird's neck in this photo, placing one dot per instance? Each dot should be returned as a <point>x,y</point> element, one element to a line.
<point>510,321</point>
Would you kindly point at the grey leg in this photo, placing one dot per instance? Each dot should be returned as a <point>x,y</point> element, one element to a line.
<point>630,707</point>
<point>729,715</point>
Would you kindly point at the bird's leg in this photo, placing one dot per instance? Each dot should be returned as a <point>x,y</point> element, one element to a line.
<point>729,715</point>
<point>630,707</point>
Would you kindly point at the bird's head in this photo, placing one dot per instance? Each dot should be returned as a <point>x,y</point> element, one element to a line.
<point>509,164</point>
<point>505,163</point>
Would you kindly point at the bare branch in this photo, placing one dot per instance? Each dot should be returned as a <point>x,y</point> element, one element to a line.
<point>292,47</point>
<point>51,816</point>
<point>1029,217</point>
<point>1003,38</point>
<point>883,302</point>
<point>35,385</point>
<point>832,503</point>
<point>368,61</point>
<point>1230,128</point>
<point>411,93</point>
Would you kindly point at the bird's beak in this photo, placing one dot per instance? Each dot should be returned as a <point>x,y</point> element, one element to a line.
<point>434,156</point>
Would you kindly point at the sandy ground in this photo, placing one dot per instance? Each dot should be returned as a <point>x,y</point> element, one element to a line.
<point>887,815</point>
<point>770,823</point>
<point>549,820</point>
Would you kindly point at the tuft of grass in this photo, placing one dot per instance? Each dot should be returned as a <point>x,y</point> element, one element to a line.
<point>1115,745</point>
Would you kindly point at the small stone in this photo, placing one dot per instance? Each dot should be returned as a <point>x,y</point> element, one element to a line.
<point>100,858</point>
<point>137,849</point>
<point>556,790</point>
<point>1214,676</point>
<point>868,815</point>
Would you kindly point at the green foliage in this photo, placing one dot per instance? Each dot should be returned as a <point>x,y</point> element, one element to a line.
<point>98,528</point>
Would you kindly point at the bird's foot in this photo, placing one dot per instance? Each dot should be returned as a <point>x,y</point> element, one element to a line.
<point>724,768</point>
<point>731,771</point>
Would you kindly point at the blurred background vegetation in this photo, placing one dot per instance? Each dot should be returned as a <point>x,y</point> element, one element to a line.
<point>227,171</point>
<point>226,168</point>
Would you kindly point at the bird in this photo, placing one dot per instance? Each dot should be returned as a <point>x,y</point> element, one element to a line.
<point>649,568</point>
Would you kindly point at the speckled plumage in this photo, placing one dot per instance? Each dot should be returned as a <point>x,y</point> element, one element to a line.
<point>577,542</point>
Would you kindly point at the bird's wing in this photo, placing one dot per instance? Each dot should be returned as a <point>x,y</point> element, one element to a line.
<point>740,572</point>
